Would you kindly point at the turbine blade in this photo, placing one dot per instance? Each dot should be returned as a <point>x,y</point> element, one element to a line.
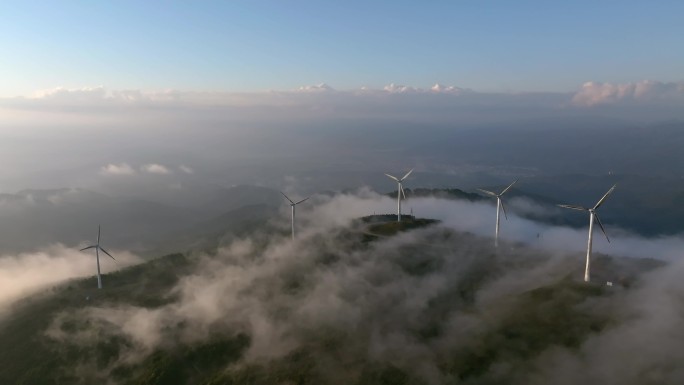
<point>401,188</point>
<point>580,208</point>
<point>86,248</point>
<point>598,220</point>
<point>98,234</point>
<point>287,197</point>
<point>395,178</point>
<point>488,192</point>
<point>507,188</point>
<point>105,251</point>
<point>302,200</point>
<point>504,209</point>
<point>407,174</point>
<point>600,202</point>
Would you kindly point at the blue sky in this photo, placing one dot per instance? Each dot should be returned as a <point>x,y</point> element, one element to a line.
<point>259,45</point>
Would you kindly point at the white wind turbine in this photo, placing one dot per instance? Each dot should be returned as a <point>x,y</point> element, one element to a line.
<point>97,248</point>
<point>592,215</point>
<point>400,192</point>
<point>499,207</point>
<point>292,205</point>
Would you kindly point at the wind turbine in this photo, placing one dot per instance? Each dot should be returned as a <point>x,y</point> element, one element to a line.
<point>592,215</point>
<point>292,205</point>
<point>499,207</point>
<point>97,248</point>
<point>400,192</point>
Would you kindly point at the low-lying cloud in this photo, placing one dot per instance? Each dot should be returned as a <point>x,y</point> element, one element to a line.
<point>438,103</point>
<point>186,169</point>
<point>150,168</point>
<point>479,218</point>
<point>26,273</point>
<point>302,295</point>
<point>645,92</point>
<point>117,169</point>
<point>155,168</point>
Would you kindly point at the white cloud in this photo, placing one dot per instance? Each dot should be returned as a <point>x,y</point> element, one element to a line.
<point>437,88</point>
<point>186,169</point>
<point>591,93</point>
<point>117,169</point>
<point>322,87</point>
<point>85,93</point>
<point>448,89</point>
<point>438,102</point>
<point>478,218</point>
<point>596,93</point>
<point>154,168</point>
<point>101,93</point>
<point>398,88</point>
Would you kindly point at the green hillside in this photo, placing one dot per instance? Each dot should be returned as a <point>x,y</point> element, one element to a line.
<point>515,327</point>
<point>443,193</point>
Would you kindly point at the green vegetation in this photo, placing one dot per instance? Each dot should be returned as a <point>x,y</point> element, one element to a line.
<point>392,228</point>
<point>29,357</point>
<point>514,329</point>
<point>186,364</point>
<point>541,318</point>
<point>443,193</point>
<point>386,225</point>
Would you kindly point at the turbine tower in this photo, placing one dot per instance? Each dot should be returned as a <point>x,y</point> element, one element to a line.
<point>592,215</point>
<point>499,207</point>
<point>400,192</point>
<point>97,248</point>
<point>292,205</point>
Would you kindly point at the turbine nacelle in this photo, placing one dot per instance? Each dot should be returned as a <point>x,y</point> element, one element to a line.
<point>593,210</point>
<point>499,207</point>
<point>97,245</point>
<point>499,195</point>
<point>292,206</point>
<point>402,178</point>
<point>98,248</point>
<point>399,180</point>
<point>593,215</point>
<point>400,191</point>
<point>292,203</point>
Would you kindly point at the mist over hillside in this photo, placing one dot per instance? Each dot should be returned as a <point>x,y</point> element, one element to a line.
<point>437,305</point>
